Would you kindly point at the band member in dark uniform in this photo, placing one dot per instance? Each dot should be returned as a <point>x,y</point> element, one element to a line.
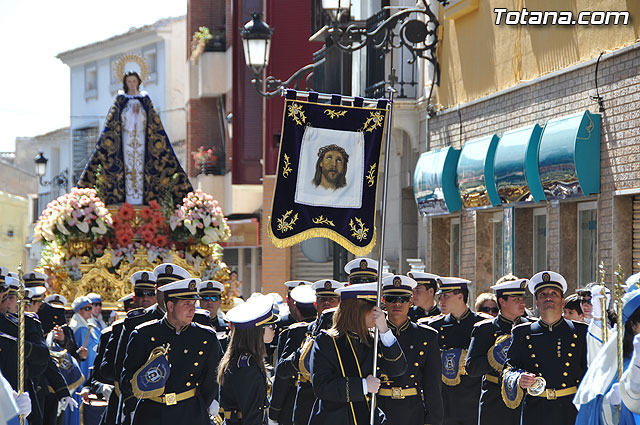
<point>460,392</point>
<point>342,359</point>
<point>283,390</point>
<point>424,296</point>
<point>210,300</point>
<point>547,358</point>
<point>490,341</point>
<point>242,374</point>
<point>362,270</point>
<point>415,397</point>
<point>169,374</point>
<point>163,274</point>
<point>286,320</point>
<point>295,356</point>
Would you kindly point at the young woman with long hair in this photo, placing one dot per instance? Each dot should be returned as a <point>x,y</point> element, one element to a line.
<point>241,372</point>
<point>342,359</point>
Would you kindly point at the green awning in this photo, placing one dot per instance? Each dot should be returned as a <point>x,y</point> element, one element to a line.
<point>569,156</point>
<point>434,182</point>
<point>476,174</point>
<point>516,166</point>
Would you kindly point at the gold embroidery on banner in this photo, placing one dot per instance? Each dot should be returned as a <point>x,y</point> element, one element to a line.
<point>371,175</point>
<point>284,225</point>
<point>335,114</point>
<point>359,232</point>
<point>297,113</point>
<point>287,166</point>
<point>374,121</point>
<point>323,220</point>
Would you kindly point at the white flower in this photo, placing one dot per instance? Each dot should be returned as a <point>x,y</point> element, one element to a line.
<point>83,226</point>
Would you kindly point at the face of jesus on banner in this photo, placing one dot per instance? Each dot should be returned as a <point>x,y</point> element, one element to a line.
<point>331,167</point>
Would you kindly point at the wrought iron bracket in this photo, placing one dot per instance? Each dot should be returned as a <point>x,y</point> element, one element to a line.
<point>60,180</point>
<point>275,87</point>
<point>419,37</point>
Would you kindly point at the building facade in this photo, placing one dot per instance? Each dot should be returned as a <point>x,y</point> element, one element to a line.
<point>547,190</point>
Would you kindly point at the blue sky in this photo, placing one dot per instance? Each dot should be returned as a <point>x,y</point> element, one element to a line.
<point>35,92</point>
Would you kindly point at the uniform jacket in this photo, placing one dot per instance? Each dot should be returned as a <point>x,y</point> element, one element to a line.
<point>558,353</point>
<point>481,363</point>
<point>416,313</point>
<point>244,392</point>
<point>420,346</point>
<point>338,365</point>
<point>194,355</point>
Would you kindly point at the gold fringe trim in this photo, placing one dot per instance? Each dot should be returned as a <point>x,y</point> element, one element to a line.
<point>511,404</point>
<point>304,352</point>
<point>461,371</point>
<point>322,233</point>
<point>496,365</point>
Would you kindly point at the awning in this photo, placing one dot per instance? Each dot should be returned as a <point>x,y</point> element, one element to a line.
<point>475,173</point>
<point>434,182</point>
<point>569,156</point>
<point>516,166</point>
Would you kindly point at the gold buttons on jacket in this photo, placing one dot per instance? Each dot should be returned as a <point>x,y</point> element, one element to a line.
<point>205,342</point>
<point>533,356</point>
<point>153,338</point>
<point>200,352</point>
<point>186,351</point>
<point>567,364</point>
<point>195,364</point>
<point>188,384</point>
<point>416,364</point>
<point>421,353</point>
<point>573,344</point>
<point>424,343</point>
<point>565,374</point>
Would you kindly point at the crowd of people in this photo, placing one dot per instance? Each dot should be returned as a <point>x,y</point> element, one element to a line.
<point>327,355</point>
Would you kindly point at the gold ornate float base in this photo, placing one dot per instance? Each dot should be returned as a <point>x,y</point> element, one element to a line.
<point>113,283</point>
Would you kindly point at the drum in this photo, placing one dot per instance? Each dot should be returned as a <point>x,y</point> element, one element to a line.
<point>91,412</point>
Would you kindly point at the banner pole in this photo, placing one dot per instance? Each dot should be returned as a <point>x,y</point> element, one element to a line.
<point>21,302</point>
<point>383,214</point>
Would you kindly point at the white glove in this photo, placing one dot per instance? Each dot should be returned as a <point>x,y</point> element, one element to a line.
<point>24,403</point>
<point>214,408</point>
<point>614,394</point>
<point>68,402</point>
<point>105,390</point>
<point>596,303</point>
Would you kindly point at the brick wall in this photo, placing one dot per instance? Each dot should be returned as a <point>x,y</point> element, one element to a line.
<point>276,262</point>
<point>551,97</point>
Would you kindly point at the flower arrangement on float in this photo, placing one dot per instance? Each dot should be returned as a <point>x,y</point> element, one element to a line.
<point>199,224</point>
<point>79,214</point>
<point>79,225</point>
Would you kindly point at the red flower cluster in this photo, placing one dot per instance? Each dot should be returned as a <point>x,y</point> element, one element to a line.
<point>151,226</point>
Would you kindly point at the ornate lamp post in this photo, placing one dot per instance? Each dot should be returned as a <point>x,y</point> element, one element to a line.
<point>403,29</point>
<point>60,180</point>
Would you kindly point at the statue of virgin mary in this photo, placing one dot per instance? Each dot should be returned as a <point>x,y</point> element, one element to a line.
<point>133,154</point>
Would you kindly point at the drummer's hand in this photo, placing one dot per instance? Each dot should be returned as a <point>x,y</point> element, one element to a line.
<point>85,394</point>
<point>373,384</point>
<point>58,334</point>
<point>380,320</point>
<point>526,379</point>
<point>83,353</point>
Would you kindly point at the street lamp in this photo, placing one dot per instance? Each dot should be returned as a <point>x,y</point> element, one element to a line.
<point>256,39</point>
<point>60,180</point>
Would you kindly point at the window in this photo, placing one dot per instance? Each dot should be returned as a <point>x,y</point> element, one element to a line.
<point>539,239</point>
<point>84,142</point>
<point>498,263</point>
<point>150,54</point>
<point>454,247</point>
<point>587,242</point>
<point>90,81</point>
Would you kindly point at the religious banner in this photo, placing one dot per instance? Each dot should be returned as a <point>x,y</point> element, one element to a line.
<point>328,168</point>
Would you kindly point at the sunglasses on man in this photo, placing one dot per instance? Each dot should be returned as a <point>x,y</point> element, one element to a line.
<point>392,299</point>
<point>494,310</point>
<point>211,298</point>
<point>141,294</point>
